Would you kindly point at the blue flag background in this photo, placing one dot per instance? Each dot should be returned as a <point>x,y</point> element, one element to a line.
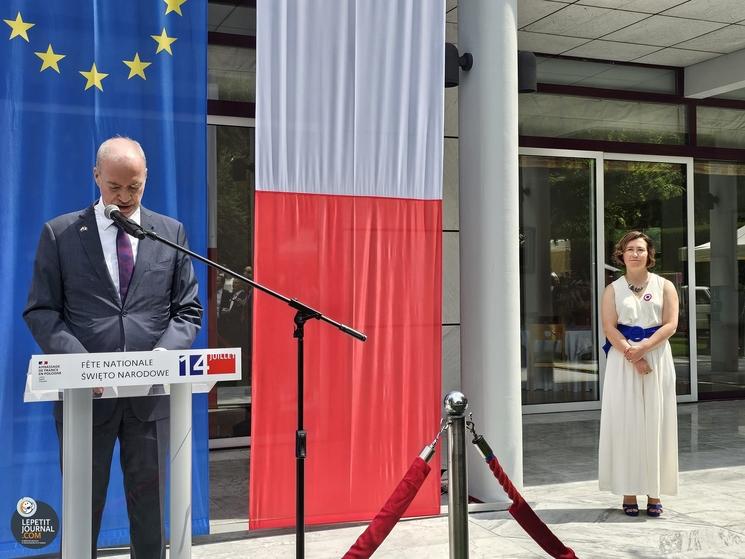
<point>50,127</point>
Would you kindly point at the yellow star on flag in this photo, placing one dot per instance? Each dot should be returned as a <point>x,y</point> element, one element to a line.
<point>164,42</point>
<point>19,27</point>
<point>50,59</point>
<point>136,67</point>
<point>174,6</point>
<point>94,77</point>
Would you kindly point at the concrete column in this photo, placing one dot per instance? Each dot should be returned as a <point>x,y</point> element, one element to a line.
<point>489,243</point>
<point>724,304</point>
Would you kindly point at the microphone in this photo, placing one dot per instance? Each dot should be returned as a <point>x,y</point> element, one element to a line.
<point>133,228</point>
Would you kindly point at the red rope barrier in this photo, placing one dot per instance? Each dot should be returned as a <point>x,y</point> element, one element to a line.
<point>527,518</point>
<point>391,512</point>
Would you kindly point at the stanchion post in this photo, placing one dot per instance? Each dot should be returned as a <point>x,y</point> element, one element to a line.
<point>455,408</point>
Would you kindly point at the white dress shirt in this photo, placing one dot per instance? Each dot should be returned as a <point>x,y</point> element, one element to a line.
<point>107,232</point>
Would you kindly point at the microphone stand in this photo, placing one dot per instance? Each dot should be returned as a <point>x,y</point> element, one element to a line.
<point>302,315</point>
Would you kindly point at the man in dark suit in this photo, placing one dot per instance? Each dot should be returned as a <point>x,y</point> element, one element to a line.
<point>97,289</point>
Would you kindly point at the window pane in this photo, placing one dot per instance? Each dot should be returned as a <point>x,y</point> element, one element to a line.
<point>557,280</point>
<point>720,127</point>
<point>233,166</point>
<point>591,118</point>
<point>602,74</point>
<point>719,253</point>
<point>231,73</point>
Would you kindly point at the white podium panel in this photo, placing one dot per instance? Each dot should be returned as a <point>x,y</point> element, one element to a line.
<point>133,373</point>
<point>72,378</point>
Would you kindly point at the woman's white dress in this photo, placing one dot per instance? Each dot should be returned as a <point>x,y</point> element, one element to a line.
<point>638,424</point>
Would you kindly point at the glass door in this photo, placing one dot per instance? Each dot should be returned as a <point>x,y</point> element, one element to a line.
<point>574,206</point>
<point>720,278</point>
<point>559,356</point>
<point>651,194</point>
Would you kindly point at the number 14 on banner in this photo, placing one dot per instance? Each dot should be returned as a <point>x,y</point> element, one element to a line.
<point>209,364</point>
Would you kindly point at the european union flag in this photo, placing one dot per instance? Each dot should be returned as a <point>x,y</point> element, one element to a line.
<point>72,74</point>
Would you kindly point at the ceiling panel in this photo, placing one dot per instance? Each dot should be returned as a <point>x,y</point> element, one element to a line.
<point>736,94</point>
<point>549,44</point>
<point>611,50</point>
<point>726,11</point>
<point>646,6</point>
<point>451,33</point>
<point>451,11</point>
<point>529,11</point>
<point>725,40</point>
<point>585,21</point>
<point>663,31</point>
<point>676,57</point>
<point>241,21</point>
<point>216,13</point>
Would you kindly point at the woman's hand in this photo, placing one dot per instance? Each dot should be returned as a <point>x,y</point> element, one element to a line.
<point>642,367</point>
<point>635,352</point>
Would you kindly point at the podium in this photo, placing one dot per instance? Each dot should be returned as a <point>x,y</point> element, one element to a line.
<point>73,378</point>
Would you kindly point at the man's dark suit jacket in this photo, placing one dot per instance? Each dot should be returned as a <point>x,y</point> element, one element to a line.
<point>73,306</point>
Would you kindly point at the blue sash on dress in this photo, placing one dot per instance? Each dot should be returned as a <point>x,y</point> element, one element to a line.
<point>633,333</point>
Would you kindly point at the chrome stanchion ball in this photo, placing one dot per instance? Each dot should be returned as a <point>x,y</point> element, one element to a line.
<point>455,403</point>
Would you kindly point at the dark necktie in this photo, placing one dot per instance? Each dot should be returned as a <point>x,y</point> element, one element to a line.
<point>126,262</point>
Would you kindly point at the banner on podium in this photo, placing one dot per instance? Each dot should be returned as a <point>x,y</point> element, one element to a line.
<point>133,368</point>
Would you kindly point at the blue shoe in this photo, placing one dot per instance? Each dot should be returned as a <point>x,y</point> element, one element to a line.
<point>631,509</point>
<point>654,510</point>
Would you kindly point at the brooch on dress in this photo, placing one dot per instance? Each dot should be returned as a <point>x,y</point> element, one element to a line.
<point>647,297</point>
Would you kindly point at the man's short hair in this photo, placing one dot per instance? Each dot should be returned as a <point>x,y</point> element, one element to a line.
<point>105,148</point>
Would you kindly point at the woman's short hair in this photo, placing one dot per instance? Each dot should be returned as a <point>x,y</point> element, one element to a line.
<point>626,239</point>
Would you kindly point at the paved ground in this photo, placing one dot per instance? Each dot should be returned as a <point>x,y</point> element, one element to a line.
<point>706,520</point>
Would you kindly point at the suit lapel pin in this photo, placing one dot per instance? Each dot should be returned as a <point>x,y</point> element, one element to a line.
<point>84,228</point>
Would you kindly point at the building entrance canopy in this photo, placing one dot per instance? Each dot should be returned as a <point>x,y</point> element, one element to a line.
<point>705,38</point>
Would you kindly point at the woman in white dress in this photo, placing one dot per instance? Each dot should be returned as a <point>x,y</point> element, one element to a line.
<point>638,426</point>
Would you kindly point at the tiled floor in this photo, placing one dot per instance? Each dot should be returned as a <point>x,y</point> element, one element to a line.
<point>706,520</point>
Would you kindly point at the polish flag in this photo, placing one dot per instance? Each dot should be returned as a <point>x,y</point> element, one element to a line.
<point>349,139</point>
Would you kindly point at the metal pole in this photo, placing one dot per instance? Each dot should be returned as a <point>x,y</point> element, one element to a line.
<point>180,450</point>
<point>301,438</point>
<point>455,407</point>
<point>77,467</point>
